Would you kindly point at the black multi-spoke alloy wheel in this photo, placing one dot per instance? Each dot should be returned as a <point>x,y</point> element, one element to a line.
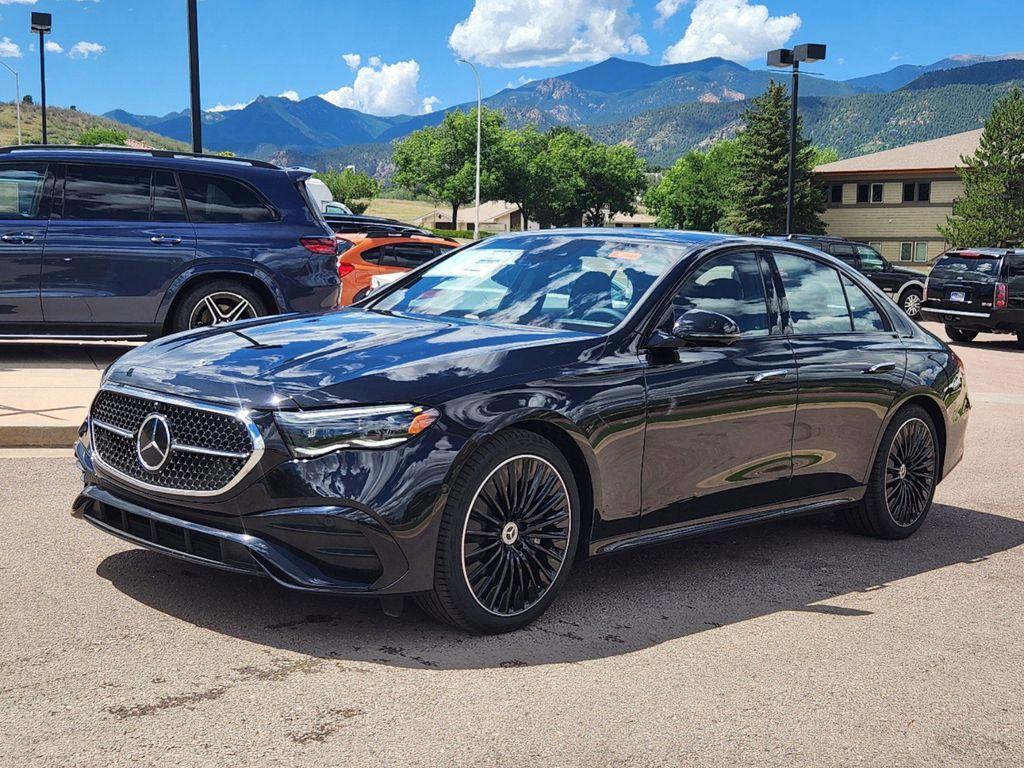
<point>905,472</point>
<point>911,302</point>
<point>217,302</point>
<point>508,535</point>
<point>959,334</point>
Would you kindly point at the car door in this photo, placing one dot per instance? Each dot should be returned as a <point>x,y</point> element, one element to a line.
<point>118,239</point>
<point>24,211</point>
<point>720,418</point>
<point>851,365</point>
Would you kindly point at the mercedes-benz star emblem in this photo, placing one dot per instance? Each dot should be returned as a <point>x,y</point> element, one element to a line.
<point>153,442</point>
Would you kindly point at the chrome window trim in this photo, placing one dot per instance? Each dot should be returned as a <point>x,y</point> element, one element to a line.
<point>240,414</point>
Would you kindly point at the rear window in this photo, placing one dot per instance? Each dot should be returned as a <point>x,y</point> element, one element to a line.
<point>974,267</point>
<point>213,199</point>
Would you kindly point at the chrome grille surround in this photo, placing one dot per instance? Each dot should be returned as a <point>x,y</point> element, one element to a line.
<point>220,457</point>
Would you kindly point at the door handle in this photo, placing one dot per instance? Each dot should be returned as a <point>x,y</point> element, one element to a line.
<point>880,368</point>
<point>165,240</point>
<point>18,238</point>
<point>768,376</point>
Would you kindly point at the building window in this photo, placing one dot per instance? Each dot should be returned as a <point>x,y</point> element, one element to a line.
<point>909,191</point>
<point>924,192</point>
<point>916,252</point>
<point>863,192</point>
<point>876,192</point>
<point>919,193</point>
<point>834,194</point>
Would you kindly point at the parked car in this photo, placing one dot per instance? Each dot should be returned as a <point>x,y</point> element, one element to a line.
<point>337,209</point>
<point>121,243</point>
<point>975,290</point>
<point>373,254</point>
<point>519,404</point>
<point>905,286</point>
<point>351,223</point>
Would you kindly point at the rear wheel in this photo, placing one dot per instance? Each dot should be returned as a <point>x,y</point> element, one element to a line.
<point>215,303</point>
<point>959,334</point>
<point>911,302</point>
<point>903,478</point>
<point>1020,339</point>
<point>507,536</point>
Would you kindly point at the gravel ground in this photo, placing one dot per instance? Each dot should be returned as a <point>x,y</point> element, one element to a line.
<point>786,644</point>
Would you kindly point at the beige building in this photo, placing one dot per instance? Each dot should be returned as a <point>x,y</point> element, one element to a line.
<point>896,200</point>
<point>499,216</point>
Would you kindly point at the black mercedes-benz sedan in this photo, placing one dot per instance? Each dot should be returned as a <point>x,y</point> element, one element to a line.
<point>468,432</point>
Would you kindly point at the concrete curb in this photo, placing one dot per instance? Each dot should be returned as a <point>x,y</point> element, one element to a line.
<point>57,436</point>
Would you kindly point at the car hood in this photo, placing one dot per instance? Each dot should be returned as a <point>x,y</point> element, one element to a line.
<point>343,357</point>
<point>908,273</point>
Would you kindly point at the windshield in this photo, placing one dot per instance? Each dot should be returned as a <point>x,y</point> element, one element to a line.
<point>549,281</point>
<point>977,267</point>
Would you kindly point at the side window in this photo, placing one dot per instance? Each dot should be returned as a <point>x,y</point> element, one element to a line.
<point>212,199</point>
<point>729,285</point>
<point>21,190</point>
<point>379,256</point>
<point>870,259</point>
<point>106,192</point>
<point>412,256</point>
<point>863,311</point>
<point>814,295</point>
<point>166,198</point>
<point>844,253</point>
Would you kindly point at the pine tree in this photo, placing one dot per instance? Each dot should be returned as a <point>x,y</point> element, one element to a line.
<point>758,202</point>
<point>991,210</point>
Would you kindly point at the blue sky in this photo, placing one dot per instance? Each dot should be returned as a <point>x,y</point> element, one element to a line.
<point>132,53</point>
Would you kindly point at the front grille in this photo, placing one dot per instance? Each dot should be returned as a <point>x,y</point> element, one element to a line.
<point>209,448</point>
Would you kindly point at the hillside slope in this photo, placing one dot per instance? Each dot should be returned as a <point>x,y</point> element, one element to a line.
<point>63,126</point>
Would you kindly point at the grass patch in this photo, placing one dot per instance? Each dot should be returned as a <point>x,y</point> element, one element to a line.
<point>403,210</point>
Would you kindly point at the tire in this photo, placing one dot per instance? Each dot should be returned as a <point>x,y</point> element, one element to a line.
<point>477,530</point>
<point>193,310</point>
<point>911,433</point>
<point>1020,339</point>
<point>959,334</point>
<point>910,303</point>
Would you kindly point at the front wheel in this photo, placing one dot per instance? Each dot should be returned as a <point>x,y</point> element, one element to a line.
<point>959,334</point>
<point>911,303</point>
<point>215,303</point>
<point>903,478</point>
<point>507,536</point>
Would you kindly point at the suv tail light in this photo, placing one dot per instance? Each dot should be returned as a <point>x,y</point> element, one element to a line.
<point>345,269</point>
<point>319,244</point>
<point>1000,300</point>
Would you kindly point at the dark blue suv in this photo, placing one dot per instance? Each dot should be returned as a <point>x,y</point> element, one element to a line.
<point>121,243</point>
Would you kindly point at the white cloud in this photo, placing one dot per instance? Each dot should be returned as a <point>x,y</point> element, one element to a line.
<point>374,61</point>
<point>384,89</point>
<point>229,107</point>
<point>18,2</point>
<point>732,29</point>
<point>52,46</point>
<point>9,49</point>
<point>667,9</point>
<point>352,60</point>
<point>896,56</point>
<point>290,95</point>
<point>538,33</point>
<point>83,49</point>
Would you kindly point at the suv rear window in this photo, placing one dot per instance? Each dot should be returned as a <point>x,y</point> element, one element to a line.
<point>954,265</point>
<point>213,199</point>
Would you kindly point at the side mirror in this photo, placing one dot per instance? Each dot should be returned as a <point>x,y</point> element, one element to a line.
<point>699,328</point>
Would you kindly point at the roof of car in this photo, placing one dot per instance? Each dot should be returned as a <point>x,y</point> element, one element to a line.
<point>636,234</point>
<point>54,152</point>
<point>394,237</point>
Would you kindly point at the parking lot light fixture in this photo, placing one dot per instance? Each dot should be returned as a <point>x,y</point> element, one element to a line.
<point>17,97</point>
<point>479,111</point>
<point>43,24</point>
<point>791,58</point>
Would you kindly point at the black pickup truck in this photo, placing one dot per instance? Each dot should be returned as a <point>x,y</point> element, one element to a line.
<point>977,290</point>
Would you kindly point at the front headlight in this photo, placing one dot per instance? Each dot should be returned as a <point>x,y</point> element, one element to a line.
<point>314,433</point>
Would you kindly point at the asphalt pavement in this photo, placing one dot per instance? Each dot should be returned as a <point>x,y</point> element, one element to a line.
<point>788,644</point>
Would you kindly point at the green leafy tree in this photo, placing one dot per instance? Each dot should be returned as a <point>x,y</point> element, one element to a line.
<point>93,137</point>
<point>614,178</point>
<point>522,181</point>
<point>27,99</point>
<point>440,161</point>
<point>353,188</point>
<point>694,192</point>
<point>757,204</point>
<point>991,210</point>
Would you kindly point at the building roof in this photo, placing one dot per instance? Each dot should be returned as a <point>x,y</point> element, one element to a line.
<point>938,154</point>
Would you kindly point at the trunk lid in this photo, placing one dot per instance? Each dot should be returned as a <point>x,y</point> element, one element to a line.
<point>964,281</point>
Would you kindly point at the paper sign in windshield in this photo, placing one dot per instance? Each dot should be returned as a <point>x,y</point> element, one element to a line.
<point>482,263</point>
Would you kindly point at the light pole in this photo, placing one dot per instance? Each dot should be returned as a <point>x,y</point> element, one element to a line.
<point>479,111</point>
<point>785,57</point>
<point>193,73</point>
<point>17,98</point>
<point>42,23</point>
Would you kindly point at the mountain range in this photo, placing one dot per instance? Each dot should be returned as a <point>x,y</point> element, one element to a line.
<point>662,110</point>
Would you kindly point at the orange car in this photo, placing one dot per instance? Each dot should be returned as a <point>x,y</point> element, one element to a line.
<point>366,255</point>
